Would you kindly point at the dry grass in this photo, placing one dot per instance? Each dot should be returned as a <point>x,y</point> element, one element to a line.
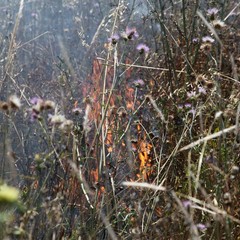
<point>141,144</point>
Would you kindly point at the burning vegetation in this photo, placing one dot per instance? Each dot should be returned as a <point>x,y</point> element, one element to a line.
<point>121,124</point>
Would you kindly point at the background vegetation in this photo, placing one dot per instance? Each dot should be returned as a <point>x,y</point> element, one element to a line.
<point>119,119</point>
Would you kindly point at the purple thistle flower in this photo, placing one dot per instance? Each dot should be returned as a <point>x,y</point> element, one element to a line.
<point>192,111</point>
<point>114,38</point>
<point>138,82</point>
<point>211,158</point>
<point>77,110</point>
<point>33,116</point>
<point>212,11</point>
<point>191,94</point>
<point>186,203</point>
<point>195,40</point>
<point>34,15</point>
<point>208,39</point>
<point>187,105</point>
<point>202,90</point>
<point>131,33</point>
<point>38,105</point>
<point>201,226</point>
<point>35,100</point>
<point>142,48</point>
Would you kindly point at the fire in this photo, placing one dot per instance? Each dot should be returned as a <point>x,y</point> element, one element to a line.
<point>130,96</point>
<point>94,175</point>
<point>145,160</point>
<point>109,141</point>
<point>125,98</point>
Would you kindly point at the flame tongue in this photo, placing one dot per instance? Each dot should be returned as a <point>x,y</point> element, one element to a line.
<point>145,160</point>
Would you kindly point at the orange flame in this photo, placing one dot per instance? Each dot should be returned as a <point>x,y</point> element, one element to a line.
<point>94,88</point>
<point>130,98</point>
<point>94,175</point>
<point>109,141</point>
<point>145,160</point>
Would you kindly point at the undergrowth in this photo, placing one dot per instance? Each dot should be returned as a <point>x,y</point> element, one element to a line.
<point>142,143</point>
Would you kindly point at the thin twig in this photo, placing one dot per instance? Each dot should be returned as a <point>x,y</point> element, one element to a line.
<point>209,137</point>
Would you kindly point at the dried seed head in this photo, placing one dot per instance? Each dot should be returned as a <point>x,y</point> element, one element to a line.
<point>124,36</point>
<point>227,198</point>
<point>209,84</point>
<point>38,108</point>
<point>4,106</point>
<point>206,47</point>
<point>48,104</point>
<point>201,79</point>
<point>218,24</point>
<point>14,102</point>
<point>235,170</point>
<point>232,177</point>
<point>122,112</point>
<point>57,119</point>
<point>66,126</point>
<point>228,112</point>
